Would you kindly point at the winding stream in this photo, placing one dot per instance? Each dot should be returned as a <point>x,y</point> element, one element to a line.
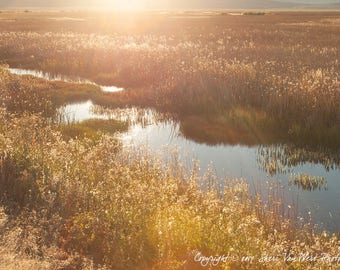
<point>64,78</point>
<point>254,164</point>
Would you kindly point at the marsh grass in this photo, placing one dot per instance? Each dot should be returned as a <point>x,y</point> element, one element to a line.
<point>308,182</point>
<point>30,94</point>
<point>127,210</point>
<point>197,75</point>
<point>20,96</point>
<point>62,93</point>
<point>91,128</point>
<point>81,203</point>
<point>295,84</point>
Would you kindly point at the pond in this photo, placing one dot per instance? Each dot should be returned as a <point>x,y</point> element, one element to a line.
<point>307,180</point>
<point>267,168</point>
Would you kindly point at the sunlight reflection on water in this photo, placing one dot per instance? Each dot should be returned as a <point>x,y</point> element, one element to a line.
<point>228,161</point>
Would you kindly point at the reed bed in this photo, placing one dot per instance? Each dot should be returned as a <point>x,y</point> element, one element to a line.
<point>308,182</point>
<point>79,201</point>
<point>206,70</point>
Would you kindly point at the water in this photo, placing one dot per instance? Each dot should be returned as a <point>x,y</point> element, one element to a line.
<point>78,112</point>
<point>228,161</point>
<point>64,78</point>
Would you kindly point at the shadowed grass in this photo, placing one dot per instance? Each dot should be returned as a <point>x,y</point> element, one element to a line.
<point>251,126</point>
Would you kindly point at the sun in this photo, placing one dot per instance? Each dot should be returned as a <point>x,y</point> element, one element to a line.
<point>124,5</point>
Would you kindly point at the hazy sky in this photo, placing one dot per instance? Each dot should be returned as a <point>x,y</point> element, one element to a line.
<point>311,1</point>
<point>149,3</point>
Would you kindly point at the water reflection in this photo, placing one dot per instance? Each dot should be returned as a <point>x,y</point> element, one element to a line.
<point>133,115</point>
<point>308,182</point>
<point>281,158</point>
<point>111,89</point>
<point>63,78</point>
<point>304,173</point>
<point>77,112</point>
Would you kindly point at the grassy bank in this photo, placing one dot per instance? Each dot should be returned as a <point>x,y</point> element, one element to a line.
<point>65,201</point>
<point>72,198</point>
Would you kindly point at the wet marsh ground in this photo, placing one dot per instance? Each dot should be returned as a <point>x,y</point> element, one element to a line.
<point>281,72</point>
<point>73,196</point>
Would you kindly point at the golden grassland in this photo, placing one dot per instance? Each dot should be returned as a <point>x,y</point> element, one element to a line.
<point>73,198</point>
<point>64,201</point>
<point>201,68</point>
